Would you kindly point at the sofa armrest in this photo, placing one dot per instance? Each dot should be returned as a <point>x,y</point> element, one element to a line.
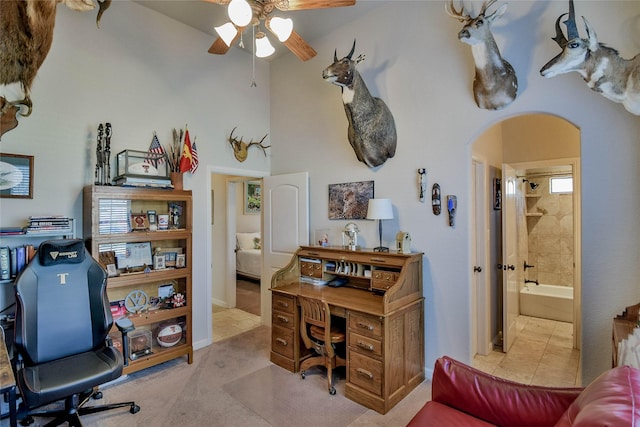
<point>496,400</point>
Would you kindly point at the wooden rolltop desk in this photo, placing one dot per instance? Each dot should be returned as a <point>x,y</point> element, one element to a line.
<point>383,308</point>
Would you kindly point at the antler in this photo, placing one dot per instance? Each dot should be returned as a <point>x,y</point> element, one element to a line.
<point>451,11</point>
<point>259,144</point>
<point>240,148</point>
<point>486,5</point>
<point>572,29</point>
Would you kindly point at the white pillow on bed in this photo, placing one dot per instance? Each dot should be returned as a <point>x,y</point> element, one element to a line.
<point>246,241</point>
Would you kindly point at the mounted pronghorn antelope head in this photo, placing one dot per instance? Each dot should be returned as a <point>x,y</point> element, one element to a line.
<point>241,148</point>
<point>495,85</point>
<point>600,66</point>
<point>372,130</point>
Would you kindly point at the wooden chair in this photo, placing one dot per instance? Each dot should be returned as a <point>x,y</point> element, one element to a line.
<point>316,321</point>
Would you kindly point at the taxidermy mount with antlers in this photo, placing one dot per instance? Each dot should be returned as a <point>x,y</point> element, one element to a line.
<point>600,66</point>
<point>241,148</point>
<point>26,34</point>
<point>372,130</point>
<point>495,85</point>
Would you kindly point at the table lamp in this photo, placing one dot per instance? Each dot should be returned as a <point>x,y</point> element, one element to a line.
<point>380,209</point>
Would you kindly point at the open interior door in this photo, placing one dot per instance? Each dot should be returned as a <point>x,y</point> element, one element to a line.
<point>510,306</point>
<point>285,200</point>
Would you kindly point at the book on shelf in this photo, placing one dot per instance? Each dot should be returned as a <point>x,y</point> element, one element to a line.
<point>12,231</point>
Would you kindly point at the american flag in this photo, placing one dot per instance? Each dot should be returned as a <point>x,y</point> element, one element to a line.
<point>194,156</point>
<point>156,148</point>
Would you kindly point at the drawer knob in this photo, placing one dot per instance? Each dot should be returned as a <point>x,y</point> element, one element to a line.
<point>282,341</point>
<point>283,304</point>
<point>365,326</point>
<point>365,373</point>
<point>283,319</point>
<point>365,345</point>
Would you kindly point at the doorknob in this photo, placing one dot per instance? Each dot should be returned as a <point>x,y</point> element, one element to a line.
<point>477,269</point>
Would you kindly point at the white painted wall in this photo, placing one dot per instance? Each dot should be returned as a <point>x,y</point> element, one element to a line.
<point>425,74</point>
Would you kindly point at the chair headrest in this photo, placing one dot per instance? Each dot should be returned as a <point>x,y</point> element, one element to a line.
<point>69,251</point>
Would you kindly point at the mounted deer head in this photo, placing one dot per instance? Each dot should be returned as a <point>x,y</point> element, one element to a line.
<point>601,67</point>
<point>241,148</point>
<point>495,85</point>
<point>26,34</point>
<point>372,130</point>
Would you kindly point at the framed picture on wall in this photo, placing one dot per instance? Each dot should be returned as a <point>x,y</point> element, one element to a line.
<point>16,176</point>
<point>252,197</point>
<point>350,200</point>
<point>497,194</point>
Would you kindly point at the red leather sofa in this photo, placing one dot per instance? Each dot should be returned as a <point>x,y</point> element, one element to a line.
<point>464,396</point>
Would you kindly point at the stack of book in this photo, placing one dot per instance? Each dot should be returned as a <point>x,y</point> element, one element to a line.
<point>49,224</point>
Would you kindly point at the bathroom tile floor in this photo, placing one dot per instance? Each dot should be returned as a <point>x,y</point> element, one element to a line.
<point>541,354</point>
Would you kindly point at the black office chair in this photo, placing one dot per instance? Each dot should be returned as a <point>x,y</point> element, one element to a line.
<point>63,318</point>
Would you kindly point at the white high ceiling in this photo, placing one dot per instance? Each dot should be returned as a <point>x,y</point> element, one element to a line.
<point>310,24</point>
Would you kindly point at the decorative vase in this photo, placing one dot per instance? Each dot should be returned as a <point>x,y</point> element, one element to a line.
<point>176,180</point>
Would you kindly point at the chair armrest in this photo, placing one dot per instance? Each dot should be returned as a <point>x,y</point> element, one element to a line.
<point>125,326</point>
<point>496,400</point>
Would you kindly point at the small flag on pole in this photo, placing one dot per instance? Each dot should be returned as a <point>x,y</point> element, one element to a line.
<point>186,161</point>
<point>155,148</point>
<point>194,156</point>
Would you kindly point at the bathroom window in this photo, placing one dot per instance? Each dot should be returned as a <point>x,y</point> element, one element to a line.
<point>559,185</point>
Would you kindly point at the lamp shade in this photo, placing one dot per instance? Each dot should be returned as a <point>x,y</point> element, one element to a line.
<point>380,209</point>
<point>240,12</point>
<point>227,32</point>
<point>281,27</point>
<point>263,46</point>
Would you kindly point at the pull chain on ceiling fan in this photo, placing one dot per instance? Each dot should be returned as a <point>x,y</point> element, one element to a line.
<point>243,13</point>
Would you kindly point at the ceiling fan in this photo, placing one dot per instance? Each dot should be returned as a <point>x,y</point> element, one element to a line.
<point>244,13</point>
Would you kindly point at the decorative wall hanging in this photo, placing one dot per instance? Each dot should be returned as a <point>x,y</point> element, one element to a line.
<point>422,183</point>
<point>435,199</point>
<point>16,176</point>
<point>372,130</point>
<point>497,194</point>
<point>241,148</point>
<point>452,206</point>
<point>103,155</point>
<point>26,34</point>
<point>600,66</point>
<point>495,85</point>
<point>350,200</point>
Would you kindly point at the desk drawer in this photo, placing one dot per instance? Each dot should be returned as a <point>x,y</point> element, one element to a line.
<point>283,303</point>
<point>365,345</point>
<point>282,319</point>
<point>366,325</point>
<point>365,372</point>
<point>311,269</point>
<point>383,279</point>
<point>282,341</point>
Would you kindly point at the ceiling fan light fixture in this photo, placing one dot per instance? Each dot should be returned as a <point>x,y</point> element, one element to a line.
<point>263,46</point>
<point>227,32</point>
<point>240,12</point>
<point>281,27</point>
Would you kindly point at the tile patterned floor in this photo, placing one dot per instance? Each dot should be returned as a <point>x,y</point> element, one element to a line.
<point>542,354</point>
<point>228,322</point>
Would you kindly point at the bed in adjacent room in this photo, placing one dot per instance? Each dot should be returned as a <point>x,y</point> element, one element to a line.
<point>249,255</point>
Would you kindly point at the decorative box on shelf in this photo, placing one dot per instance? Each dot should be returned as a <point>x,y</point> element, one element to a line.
<point>142,168</point>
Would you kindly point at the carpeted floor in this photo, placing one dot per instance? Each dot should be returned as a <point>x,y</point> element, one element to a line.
<point>233,383</point>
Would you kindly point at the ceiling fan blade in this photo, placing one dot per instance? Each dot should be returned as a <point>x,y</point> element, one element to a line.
<point>317,4</point>
<point>219,47</point>
<point>299,47</point>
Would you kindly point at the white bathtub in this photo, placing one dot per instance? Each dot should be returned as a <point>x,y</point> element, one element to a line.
<point>547,301</point>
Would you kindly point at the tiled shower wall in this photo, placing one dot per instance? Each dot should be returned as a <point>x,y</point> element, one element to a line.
<point>550,235</point>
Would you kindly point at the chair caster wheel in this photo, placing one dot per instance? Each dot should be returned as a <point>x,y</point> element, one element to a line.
<point>332,391</point>
<point>97,395</point>
<point>303,375</point>
<point>27,421</point>
<point>134,409</point>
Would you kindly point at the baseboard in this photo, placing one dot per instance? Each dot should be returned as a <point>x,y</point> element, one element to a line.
<point>219,302</point>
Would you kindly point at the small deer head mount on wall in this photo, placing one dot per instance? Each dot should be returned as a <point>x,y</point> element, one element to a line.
<point>241,148</point>
<point>601,67</point>
<point>495,85</point>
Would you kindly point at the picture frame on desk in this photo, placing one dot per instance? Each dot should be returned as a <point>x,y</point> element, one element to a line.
<point>181,261</point>
<point>159,262</point>
<point>16,176</point>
